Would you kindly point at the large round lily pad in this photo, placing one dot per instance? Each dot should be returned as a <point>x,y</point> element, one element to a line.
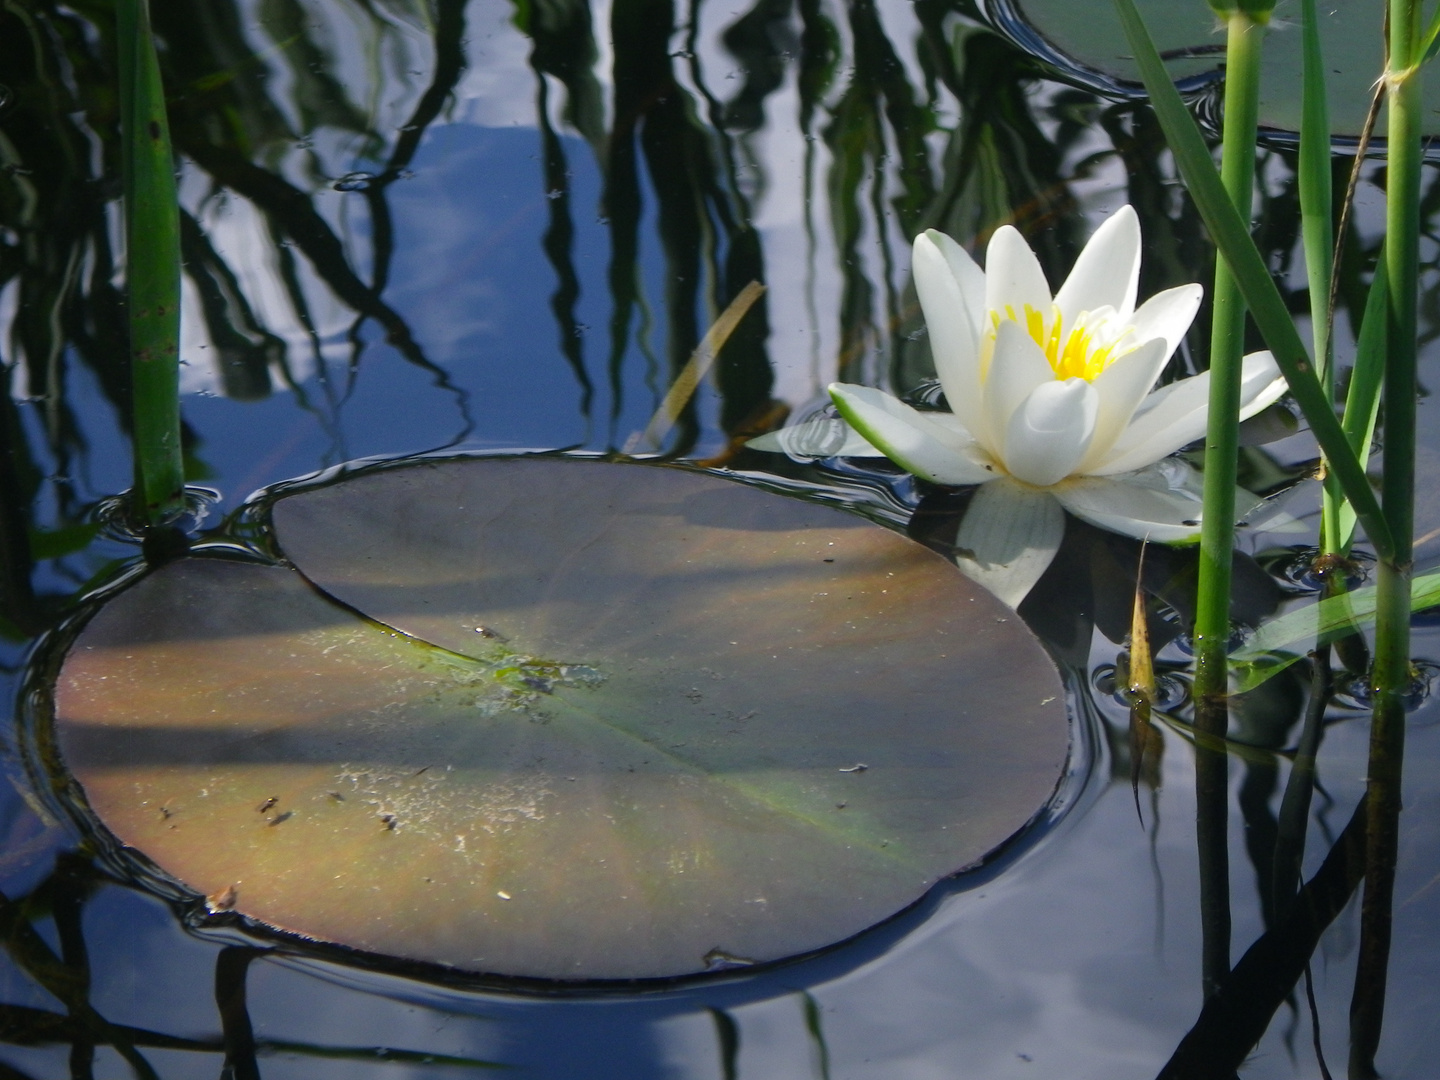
<point>1089,33</point>
<point>677,722</point>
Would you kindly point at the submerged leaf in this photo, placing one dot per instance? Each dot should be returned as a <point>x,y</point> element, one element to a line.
<point>632,746</point>
<point>1277,645</point>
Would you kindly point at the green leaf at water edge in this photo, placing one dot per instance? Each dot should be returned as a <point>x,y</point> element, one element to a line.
<point>1277,645</point>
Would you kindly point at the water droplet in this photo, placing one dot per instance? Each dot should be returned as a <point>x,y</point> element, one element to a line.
<point>354,181</point>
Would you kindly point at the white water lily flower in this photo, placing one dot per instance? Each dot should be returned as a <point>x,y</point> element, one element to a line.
<point>1053,401</point>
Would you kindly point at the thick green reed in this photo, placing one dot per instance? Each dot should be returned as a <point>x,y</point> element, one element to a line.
<point>1390,675</point>
<point>1245,31</point>
<point>152,267</point>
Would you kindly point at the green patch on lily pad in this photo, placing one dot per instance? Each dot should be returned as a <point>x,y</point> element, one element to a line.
<point>603,721</point>
<point>1188,33</point>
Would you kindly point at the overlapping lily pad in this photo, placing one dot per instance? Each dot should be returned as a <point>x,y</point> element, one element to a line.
<point>1089,33</point>
<point>668,721</point>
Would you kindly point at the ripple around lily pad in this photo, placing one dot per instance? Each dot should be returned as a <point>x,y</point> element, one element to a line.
<point>628,718</point>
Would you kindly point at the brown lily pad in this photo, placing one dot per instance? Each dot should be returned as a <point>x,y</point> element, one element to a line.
<point>668,721</point>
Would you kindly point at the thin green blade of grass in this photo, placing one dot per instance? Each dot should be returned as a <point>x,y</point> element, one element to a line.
<point>1267,307</point>
<point>152,267</point>
<point>1430,40</point>
<point>1316,194</point>
<point>1362,404</point>
<point>1278,644</point>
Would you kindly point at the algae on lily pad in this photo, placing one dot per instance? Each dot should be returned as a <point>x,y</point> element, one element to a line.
<point>1088,32</point>
<point>630,721</point>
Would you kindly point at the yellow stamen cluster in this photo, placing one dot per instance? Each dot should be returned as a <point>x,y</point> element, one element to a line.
<point>1070,355</point>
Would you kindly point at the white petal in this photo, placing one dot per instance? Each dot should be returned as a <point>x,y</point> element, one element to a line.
<point>1050,432</point>
<point>1262,384</point>
<point>1017,367</point>
<point>960,436</point>
<point>1167,315</point>
<point>824,436</point>
<point>1121,388</point>
<point>1132,509</point>
<point>1009,536</point>
<point>967,273</point>
<point>907,438</point>
<point>1107,271</point>
<point>954,339</point>
<point>1013,278</point>
<point>1175,415</point>
<point>1168,419</point>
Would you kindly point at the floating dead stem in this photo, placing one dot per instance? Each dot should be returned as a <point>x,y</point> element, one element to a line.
<point>628,720</point>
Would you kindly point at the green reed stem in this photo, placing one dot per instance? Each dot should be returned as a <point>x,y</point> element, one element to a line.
<point>1317,231</point>
<point>1217,530</point>
<point>152,267</point>
<point>1390,675</point>
<point>1227,347</point>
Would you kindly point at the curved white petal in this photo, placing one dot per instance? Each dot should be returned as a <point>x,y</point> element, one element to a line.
<point>967,274</point>
<point>954,339</point>
<point>1261,384</point>
<point>824,436</point>
<point>1017,368</point>
<point>1141,510</point>
<point>960,436</point>
<point>1168,419</point>
<point>1008,537</point>
<point>1121,388</point>
<point>907,438</point>
<point>1050,432</point>
<point>1167,315</point>
<point>1175,415</point>
<point>1108,270</point>
<point>1013,278</point>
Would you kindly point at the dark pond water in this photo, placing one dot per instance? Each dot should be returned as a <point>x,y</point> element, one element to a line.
<point>424,225</point>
